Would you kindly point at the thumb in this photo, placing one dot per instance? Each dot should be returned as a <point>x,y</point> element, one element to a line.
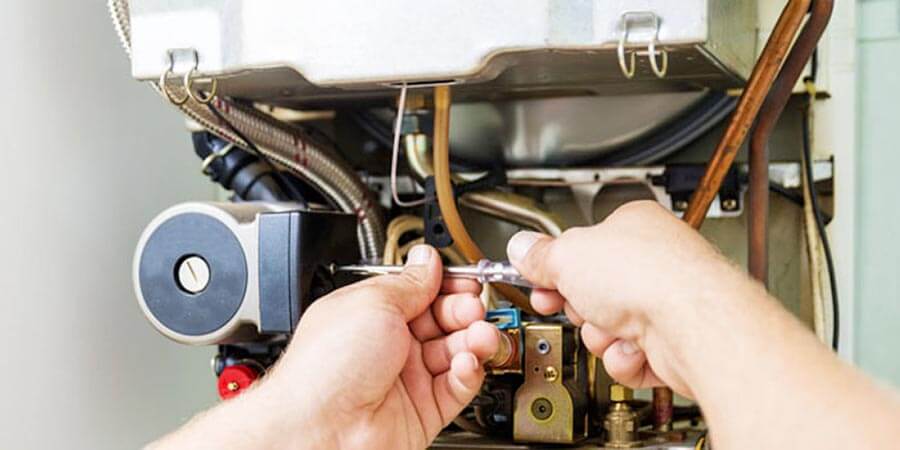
<point>531,253</point>
<point>413,290</point>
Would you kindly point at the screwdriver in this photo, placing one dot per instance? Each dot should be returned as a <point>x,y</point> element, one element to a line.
<point>485,271</point>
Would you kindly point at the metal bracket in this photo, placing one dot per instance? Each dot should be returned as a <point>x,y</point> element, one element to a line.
<point>628,68</point>
<point>188,79</point>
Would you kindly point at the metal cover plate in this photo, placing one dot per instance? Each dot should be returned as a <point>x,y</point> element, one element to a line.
<point>318,50</point>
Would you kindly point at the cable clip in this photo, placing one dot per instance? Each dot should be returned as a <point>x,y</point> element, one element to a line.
<point>628,67</point>
<point>187,81</point>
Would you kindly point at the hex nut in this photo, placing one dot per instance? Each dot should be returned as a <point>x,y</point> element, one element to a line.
<point>620,393</point>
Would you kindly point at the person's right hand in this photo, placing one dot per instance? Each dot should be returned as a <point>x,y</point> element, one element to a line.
<point>621,281</point>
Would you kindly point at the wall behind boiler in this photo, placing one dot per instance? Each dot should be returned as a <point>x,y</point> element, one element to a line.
<point>87,158</point>
<point>878,210</point>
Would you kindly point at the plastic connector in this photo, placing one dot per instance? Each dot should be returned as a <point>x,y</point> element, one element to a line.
<point>505,318</point>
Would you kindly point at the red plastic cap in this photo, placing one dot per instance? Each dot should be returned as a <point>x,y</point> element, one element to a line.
<point>234,379</point>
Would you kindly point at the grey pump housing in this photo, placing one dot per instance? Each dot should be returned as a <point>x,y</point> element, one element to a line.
<point>258,261</point>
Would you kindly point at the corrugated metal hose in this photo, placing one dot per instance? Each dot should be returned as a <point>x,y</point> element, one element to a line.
<point>286,145</point>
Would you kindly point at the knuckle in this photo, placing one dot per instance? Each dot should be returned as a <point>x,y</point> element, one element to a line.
<point>639,210</point>
<point>372,287</point>
<point>411,279</point>
<point>574,234</point>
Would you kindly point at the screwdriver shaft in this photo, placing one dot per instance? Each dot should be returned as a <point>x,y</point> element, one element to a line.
<point>484,271</point>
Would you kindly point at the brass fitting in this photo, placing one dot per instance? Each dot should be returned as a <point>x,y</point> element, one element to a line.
<point>621,422</point>
<point>620,393</point>
<point>507,357</point>
<point>416,101</point>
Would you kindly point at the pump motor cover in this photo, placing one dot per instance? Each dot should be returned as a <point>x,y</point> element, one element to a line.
<point>213,273</point>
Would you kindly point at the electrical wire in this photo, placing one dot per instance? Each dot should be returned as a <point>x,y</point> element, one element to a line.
<point>399,226</point>
<point>820,227</point>
<point>794,198</point>
<point>395,153</point>
<point>288,187</point>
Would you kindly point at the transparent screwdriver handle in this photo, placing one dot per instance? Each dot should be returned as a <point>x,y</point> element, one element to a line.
<point>500,272</point>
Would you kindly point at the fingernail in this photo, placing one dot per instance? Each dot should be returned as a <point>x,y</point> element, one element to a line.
<point>628,348</point>
<point>472,361</point>
<point>419,255</point>
<point>520,243</point>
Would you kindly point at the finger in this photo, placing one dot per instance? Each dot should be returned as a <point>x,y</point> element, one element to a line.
<point>595,339</point>
<point>573,315</point>
<point>480,338</point>
<point>448,313</point>
<point>425,327</point>
<point>460,285</point>
<point>456,387</point>
<point>419,385</point>
<point>530,253</point>
<point>627,364</point>
<point>546,301</point>
<point>413,290</point>
<point>457,311</point>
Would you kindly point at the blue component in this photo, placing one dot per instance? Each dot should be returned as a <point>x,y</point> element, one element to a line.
<point>505,318</point>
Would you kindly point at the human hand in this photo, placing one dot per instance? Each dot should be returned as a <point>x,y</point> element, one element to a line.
<point>626,282</point>
<point>387,362</point>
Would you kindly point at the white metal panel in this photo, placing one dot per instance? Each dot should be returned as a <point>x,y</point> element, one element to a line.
<point>365,44</point>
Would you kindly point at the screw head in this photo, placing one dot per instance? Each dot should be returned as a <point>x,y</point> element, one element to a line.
<point>541,409</point>
<point>729,204</point>
<point>192,274</point>
<point>680,205</point>
<point>550,374</point>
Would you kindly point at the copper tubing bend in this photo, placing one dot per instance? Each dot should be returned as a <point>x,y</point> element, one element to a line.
<point>748,106</point>
<point>447,200</point>
<point>758,204</point>
<point>758,86</point>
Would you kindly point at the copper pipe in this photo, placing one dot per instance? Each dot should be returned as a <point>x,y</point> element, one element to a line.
<point>758,193</point>
<point>662,409</point>
<point>748,106</point>
<point>506,206</point>
<point>447,199</point>
<point>755,93</point>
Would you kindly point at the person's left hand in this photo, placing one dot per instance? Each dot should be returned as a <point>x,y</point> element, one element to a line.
<point>384,363</point>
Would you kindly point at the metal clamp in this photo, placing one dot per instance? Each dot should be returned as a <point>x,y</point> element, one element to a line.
<point>212,157</point>
<point>189,87</point>
<point>187,82</point>
<point>163,82</point>
<point>628,68</point>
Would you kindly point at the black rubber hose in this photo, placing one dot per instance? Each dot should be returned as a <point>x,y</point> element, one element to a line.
<point>240,171</point>
<point>285,185</point>
<point>374,128</point>
<point>675,136</point>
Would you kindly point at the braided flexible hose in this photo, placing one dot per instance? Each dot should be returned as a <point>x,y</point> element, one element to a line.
<point>287,146</point>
